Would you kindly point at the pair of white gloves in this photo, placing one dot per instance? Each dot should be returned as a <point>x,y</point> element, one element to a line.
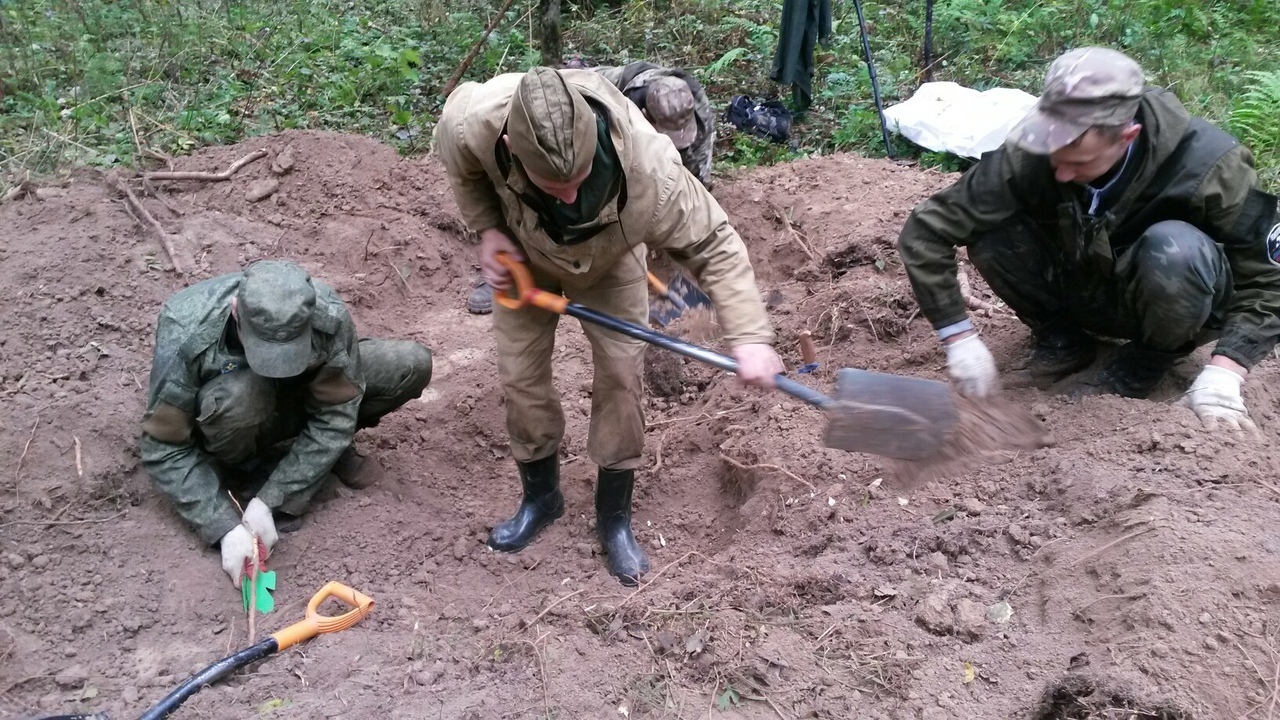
<point>1214,396</point>
<point>237,544</point>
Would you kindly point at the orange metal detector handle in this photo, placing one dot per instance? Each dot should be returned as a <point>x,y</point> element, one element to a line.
<point>316,624</point>
<point>525,291</point>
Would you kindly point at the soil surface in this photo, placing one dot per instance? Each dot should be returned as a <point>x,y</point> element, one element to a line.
<point>1130,569</point>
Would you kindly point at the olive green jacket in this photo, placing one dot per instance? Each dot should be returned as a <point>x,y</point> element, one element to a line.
<point>191,350</point>
<point>662,206</point>
<point>1191,171</point>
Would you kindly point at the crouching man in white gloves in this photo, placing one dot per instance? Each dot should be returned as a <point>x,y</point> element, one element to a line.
<point>1109,211</point>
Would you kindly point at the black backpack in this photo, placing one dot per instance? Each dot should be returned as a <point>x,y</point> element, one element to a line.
<point>768,119</point>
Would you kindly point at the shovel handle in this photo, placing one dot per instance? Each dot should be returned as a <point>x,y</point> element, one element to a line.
<point>525,292</point>
<point>316,624</point>
<point>665,291</point>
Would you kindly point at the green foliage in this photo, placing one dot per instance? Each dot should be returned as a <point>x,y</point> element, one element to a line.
<point>1255,119</point>
<point>79,78</point>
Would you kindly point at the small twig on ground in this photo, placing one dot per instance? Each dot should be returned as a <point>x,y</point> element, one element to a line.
<point>791,232</point>
<point>401,278</point>
<point>141,213</point>
<point>657,453</point>
<point>698,417</point>
<point>547,609</point>
<point>48,523</point>
<point>1124,596</point>
<point>542,673</point>
<point>207,176</point>
<point>79,467</point>
<point>17,473</point>
<point>654,577</point>
<point>475,50</point>
<point>768,466</point>
<point>1113,543</point>
<point>153,192</point>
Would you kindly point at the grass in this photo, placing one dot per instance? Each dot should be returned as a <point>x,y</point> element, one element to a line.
<point>93,81</point>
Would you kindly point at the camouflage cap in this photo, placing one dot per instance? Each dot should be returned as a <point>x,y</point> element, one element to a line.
<point>550,127</point>
<point>669,104</point>
<point>274,306</point>
<point>1084,87</point>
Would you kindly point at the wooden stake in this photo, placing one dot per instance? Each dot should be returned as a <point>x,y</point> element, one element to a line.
<point>207,176</point>
<point>79,467</point>
<point>807,353</point>
<point>253,592</point>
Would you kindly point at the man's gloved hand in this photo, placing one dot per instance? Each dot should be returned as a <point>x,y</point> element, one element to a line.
<point>972,368</point>
<point>258,517</point>
<point>1215,398</point>
<point>237,551</point>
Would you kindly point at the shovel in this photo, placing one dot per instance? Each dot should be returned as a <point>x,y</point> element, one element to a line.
<point>314,624</point>
<point>677,298</point>
<point>888,415</point>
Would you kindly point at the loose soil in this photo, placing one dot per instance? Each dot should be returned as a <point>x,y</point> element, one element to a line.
<point>1130,569</point>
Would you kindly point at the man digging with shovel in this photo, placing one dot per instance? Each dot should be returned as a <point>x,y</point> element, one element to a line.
<point>560,169</point>
<point>245,363</point>
<point>1109,211</point>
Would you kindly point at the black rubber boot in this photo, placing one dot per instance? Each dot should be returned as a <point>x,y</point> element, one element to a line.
<point>1133,372</point>
<point>541,505</point>
<point>627,561</point>
<point>1058,352</point>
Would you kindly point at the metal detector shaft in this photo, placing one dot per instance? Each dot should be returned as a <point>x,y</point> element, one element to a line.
<point>875,84</point>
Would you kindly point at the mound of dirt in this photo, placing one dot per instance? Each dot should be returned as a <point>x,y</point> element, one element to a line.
<point>789,580</point>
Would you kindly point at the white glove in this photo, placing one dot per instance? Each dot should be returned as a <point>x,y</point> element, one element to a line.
<point>237,550</point>
<point>1215,397</point>
<point>972,368</point>
<point>258,517</point>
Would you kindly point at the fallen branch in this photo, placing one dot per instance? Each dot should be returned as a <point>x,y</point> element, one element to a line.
<point>1113,543</point>
<point>49,523</point>
<point>547,609</point>
<point>140,212</point>
<point>206,176</point>
<point>767,466</point>
<point>791,232</point>
<point>971,301</point>
<point>475,50</point>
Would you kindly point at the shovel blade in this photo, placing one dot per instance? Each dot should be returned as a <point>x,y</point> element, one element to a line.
<point>889,415</point>
<point>682,295</point>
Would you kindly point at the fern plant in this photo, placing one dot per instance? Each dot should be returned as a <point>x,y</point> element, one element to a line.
<point>1255,119</point>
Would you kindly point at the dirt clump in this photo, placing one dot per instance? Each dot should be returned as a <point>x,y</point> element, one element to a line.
<point>794,583</point>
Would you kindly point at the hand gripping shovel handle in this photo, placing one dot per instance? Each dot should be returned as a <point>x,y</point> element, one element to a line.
<point>313,624</point>
<point>526,293</point>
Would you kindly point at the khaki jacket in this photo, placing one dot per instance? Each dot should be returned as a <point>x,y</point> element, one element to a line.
<point>665,207</point>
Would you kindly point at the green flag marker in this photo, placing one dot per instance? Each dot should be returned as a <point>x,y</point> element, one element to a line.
<point>266,582</point>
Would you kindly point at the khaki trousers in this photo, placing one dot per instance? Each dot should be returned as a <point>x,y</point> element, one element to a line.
<point>525,339</point>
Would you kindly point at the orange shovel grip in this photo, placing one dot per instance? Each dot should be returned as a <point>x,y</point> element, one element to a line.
<point>316,624</point>
<point>526,293</point>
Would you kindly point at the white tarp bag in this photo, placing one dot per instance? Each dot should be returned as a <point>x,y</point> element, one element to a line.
<point>946,117</point>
